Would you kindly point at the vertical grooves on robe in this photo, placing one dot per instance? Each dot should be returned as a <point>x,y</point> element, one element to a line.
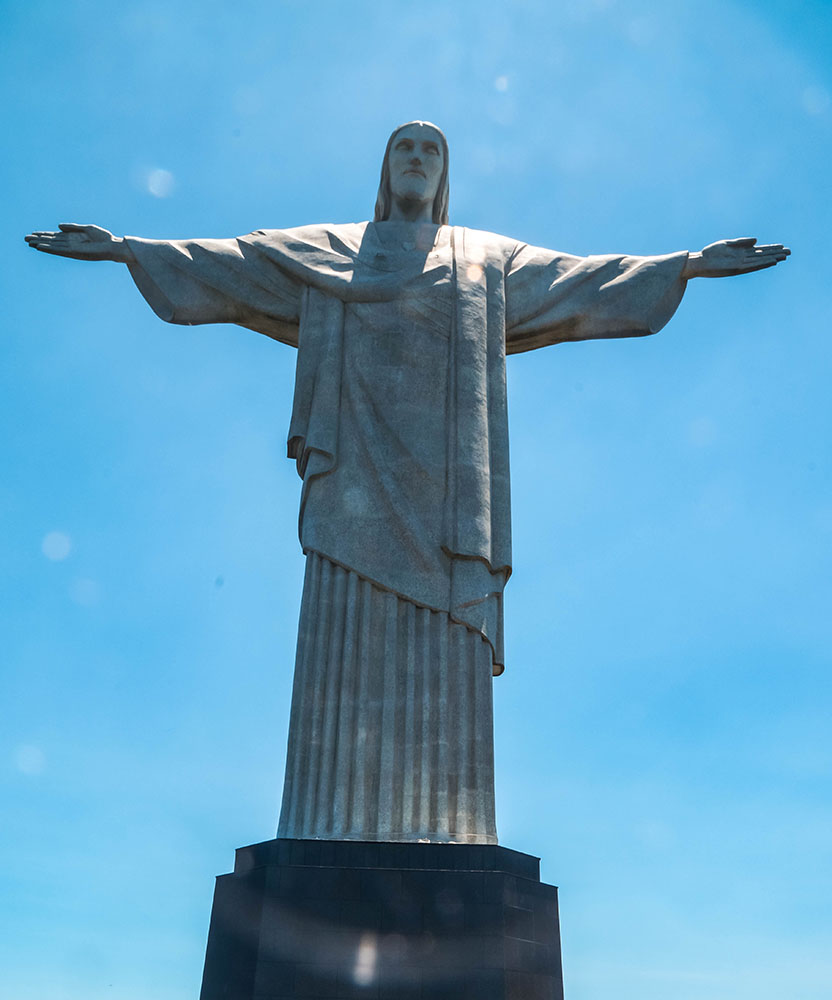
<point>331,686</point>
<point>345,738</point>
<point>411,764</point>
<point>439,812</point>
<point>363,722</point>
<point>387,710</point>
<point>483,750</point>
<point>460,697</point>
<point>390,734</point>
<point>314,660</point>
<point>289,816</point>
<point>426,746</point>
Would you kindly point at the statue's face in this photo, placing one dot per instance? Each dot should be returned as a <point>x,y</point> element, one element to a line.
<point>416,162</point>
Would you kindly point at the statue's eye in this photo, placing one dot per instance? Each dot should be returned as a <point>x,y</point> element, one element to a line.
<point>405,144</point>
<point>432,149</point>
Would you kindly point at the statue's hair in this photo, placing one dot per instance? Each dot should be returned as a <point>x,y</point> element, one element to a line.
<point>384,201</point>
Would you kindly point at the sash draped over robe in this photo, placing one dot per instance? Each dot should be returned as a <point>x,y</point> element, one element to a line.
<point>399,429</point>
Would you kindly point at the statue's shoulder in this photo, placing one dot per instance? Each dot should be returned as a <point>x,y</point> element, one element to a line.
<point>323,234</point>
<point>488,244</point>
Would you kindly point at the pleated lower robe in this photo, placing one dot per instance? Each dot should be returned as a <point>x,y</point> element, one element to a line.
<point>391,730</point>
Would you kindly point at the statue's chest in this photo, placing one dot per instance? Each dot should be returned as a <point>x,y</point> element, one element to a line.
<point>396,362</point>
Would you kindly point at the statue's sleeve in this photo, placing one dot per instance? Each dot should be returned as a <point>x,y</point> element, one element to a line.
<point>217,281</point>
<point>554,297</point>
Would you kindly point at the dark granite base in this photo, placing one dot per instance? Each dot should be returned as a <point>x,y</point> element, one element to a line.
<point>339,920</point>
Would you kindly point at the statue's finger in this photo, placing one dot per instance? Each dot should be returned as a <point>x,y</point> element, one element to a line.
<point>770,246</point>
<point>742,241</point>
<point>70,227</point>
<point>54,246</point>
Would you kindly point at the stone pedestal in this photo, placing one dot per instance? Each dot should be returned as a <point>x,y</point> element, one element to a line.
<point>342,920</point>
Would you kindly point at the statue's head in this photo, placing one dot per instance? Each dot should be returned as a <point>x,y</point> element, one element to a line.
<point>415,168</point>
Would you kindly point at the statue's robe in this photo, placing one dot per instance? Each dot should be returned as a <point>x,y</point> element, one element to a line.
<point>399,429</point>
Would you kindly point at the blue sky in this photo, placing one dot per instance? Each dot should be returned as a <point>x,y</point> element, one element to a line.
<point>662,728</point>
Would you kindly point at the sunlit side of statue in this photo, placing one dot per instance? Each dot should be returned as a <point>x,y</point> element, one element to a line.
<point>399,431</point>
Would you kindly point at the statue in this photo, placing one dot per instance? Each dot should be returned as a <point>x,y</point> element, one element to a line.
<point>400,436</point>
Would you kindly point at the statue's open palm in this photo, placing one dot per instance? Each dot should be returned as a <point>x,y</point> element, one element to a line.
<point>79,242</point>
<point>738,256</point>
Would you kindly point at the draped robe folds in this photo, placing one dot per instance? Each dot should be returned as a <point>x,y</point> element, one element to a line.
<point>399,430</point>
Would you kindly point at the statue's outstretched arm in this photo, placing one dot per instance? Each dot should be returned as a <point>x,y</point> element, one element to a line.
<point>739,256</point>
<point>82,243</point>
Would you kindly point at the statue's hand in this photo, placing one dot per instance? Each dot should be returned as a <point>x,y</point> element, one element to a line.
<point>727,257</point>
<point>81,243</point>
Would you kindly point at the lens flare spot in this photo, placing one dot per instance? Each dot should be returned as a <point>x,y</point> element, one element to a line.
<point>56,546</point>
<point>641,31</point>
<point>84,591</point>
<point>29,759</point>
<point>248,100</point>
<point>815,100</point>
<point>474,272</point>
<point>160,183</point>
<point>501,84</point>
<point>702,432</point>
<point>356,500</point>
<point>365,960</point>
<point>484,160</point>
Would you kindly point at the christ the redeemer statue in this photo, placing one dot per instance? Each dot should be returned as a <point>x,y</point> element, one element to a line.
<point>400,435</point>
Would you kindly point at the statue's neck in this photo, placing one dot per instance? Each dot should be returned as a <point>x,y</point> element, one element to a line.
<point>411,211</point>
